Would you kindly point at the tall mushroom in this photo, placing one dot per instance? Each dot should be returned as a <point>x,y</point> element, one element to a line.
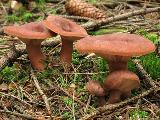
<point>117,49</point>
<point>69,32</point>
<point>32,34</point>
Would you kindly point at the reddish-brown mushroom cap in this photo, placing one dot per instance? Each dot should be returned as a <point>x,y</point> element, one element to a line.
<point>121,44</point>
<point>33,30</point>
<point>121,80</point>
<point>95,88</point>
<point>64,27</point>
<point>119,84</point>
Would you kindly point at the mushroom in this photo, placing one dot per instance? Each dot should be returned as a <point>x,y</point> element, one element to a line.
<point>119,84</point>
<point>96,89</point>
<point>116,48</point>
<point>69,32</point>
<point>32,34</point>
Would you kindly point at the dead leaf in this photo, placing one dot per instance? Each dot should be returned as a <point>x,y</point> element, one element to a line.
<point>12,86</point>
<point>3,87</point>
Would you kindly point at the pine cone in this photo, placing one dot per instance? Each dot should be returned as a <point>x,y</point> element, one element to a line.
<point>81,8</point>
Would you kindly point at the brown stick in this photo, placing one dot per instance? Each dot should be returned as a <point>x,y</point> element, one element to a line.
<point>143,72</point>
<point>22,101</point>
<point>109,108</point>
<point>45,99</point>
<point>19,115</point>
<point>77,17</point>
<point>97,24</point>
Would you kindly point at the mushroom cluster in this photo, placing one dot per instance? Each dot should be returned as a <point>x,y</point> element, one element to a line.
<point>117,49</point>
<point>35,32</point>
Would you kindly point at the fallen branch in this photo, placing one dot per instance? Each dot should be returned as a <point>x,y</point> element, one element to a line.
<point>108,108</point>
<point>143,72</point>
<point>45,99</point>
<point>77,17</point>
<point>21,49</point>
<point>97,24</point>
<point>19,115</point>
<point>20,100</point>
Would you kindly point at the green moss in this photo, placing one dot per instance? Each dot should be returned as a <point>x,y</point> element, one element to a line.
<point>18,16</point>
<point>12,18</point>
<point>151,64</point>
<point>10,74</point>
<point>92,1</point>
<point>100,66</point>
<point>27,16</point>
<point>138,115</point>
<point>131,66</point>
<point>151,36</point>
<point>105,31</point>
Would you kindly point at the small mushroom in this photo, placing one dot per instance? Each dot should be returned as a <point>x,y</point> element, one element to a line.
<point>69,32</point>
<point>119,84</point>
<point>116,48</point>
<point>32,34</point>
<point>96,89</point>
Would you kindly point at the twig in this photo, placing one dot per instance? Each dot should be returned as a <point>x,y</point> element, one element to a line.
<point>1,31</point>
<point>20,49</point>
<point>84,73</point>
<point>97,24</point>
<point>18,115</point>
<point>34,78</point>
<point>88,102</point>
<point>143,72</point>
<point>22,101</point>
<point>109,108</point>
<point>77,17</point>
<point>73,107</point>
<point>4,8</point>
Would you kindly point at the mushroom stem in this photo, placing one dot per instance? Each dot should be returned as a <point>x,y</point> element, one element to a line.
<point>101,101</point>
<point>66,51</point>
<point>114,96</point>
<point>35,54</point>
<point>126,94</point>
<point>114,66</point>
<point>117,63</point>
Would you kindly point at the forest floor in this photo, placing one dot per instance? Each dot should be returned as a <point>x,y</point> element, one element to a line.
<point>65,92</point>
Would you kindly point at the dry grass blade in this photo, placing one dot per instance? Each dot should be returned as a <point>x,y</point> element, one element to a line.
<point>34,78</point>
